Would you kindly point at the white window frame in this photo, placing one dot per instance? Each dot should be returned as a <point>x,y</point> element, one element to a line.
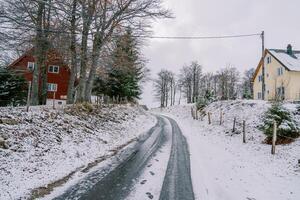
<point>280,71</point>
<point>269,59</point>
<point>52,87</point>
<point>260,78</point>
<point>29,64</point>
<point>53,67</point>
<point>259,95</point>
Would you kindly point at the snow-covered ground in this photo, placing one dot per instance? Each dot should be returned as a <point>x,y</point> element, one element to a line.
<point>223,168</point>
<point>45,145</point>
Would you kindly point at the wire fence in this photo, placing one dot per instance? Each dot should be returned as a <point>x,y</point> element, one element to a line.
<point>239,124</point>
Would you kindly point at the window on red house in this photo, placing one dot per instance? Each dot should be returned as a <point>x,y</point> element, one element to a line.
<point>52,87</point>
<point>53,69</point>
<point>30,66</point>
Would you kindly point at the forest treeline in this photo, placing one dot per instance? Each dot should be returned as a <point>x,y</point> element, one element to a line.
<point>192,84</point>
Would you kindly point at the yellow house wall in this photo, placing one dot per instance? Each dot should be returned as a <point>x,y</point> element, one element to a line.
<point>289,80</point>
<point>295,86</point>
<point>257,86</point>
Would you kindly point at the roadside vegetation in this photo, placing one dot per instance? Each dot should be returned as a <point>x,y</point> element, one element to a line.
<point>13,89</point>
<point>84,32</point>
<point>287,128</point>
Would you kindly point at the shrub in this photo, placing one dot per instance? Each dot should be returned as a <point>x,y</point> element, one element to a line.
<point>13,88</point>
<point>201,103</point>
<point>287,127</point>
<point>205,100</point>
<point>298,109</point>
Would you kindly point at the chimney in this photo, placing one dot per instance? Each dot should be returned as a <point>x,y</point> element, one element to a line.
<point>290,50</point>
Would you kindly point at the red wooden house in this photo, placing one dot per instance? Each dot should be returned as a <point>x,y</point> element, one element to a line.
<point>58,72</point>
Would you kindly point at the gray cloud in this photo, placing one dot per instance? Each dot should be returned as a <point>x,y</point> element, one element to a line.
<point>278,18</point>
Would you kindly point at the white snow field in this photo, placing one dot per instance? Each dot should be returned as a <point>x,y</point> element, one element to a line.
<point>45,145</point>
<point>223,168</point>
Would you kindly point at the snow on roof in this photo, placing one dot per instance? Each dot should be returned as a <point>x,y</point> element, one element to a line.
<point>291,62</point>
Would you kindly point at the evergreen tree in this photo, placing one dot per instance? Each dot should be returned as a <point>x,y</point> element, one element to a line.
<point>286,125</point>
<point>100,86</point>
<point>13,88</point>
<point>208,98</point>
<point>127,70</point>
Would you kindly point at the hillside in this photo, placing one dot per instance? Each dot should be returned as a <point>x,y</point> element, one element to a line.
<point>225,168</point>
<point>46,145</point>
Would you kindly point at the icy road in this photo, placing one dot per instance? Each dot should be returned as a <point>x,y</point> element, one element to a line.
<point>164,151</point>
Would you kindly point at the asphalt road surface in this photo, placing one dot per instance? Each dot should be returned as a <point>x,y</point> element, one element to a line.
<point>116,184</point>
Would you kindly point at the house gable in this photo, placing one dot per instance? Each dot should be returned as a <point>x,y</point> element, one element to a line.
<point>268,52</point>
<point>61,78</point>
<point>281,76</point>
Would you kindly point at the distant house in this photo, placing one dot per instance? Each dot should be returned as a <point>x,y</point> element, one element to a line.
<point>58,72</point>
<point>282,75</point>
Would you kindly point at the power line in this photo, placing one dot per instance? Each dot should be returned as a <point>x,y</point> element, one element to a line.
<point>154,37</point>
<point>198,37</point>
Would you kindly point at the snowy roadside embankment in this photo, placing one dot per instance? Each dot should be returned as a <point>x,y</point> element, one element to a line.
<point>45,145</point>
<point>223,168</point>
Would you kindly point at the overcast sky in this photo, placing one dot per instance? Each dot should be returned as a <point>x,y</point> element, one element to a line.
<point>280,19</point>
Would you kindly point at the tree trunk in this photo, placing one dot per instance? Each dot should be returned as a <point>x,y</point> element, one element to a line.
<point>174,95</point>
<point>45,48</point>
<point>71,89</point>
<point>39,57</point>
<point>95,58</point>
<point>171,92</point>
<point>83,55</point>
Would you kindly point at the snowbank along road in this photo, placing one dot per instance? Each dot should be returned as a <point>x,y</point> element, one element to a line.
<point>119,182</point>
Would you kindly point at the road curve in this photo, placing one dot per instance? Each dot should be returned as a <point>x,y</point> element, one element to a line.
<point>117,184</point>
<point>177,184</point>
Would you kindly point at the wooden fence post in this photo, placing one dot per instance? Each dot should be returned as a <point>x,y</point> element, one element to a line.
<point>244,131</point>
<point>274,138</point>
<point>54,100</point>
<point>234,122</point>
<point>28,96</point>
<point>221,117</point>
<point>209,119</point>
<point>192,112</point>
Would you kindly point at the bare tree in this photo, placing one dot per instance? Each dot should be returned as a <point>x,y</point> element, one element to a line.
<point>164,87</point>
<point>28,24</point>
<point>196,74</point>
<point>38,23</point>
<point>228,83</point>
<point>247,84</point>
<point>189,79</point>
<point>110,17</point>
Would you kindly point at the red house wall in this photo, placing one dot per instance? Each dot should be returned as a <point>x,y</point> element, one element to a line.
<point>61,78</point>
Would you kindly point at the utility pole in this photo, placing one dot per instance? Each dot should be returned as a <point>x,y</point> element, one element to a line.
<point>263,65</point>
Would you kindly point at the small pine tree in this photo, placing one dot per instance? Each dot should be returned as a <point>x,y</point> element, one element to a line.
<point>99,87</point>
<point>13,88</point>
<point>286,125</point>
<point>201,103</point>
<point>126,70</point>
<point>204,101</point>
